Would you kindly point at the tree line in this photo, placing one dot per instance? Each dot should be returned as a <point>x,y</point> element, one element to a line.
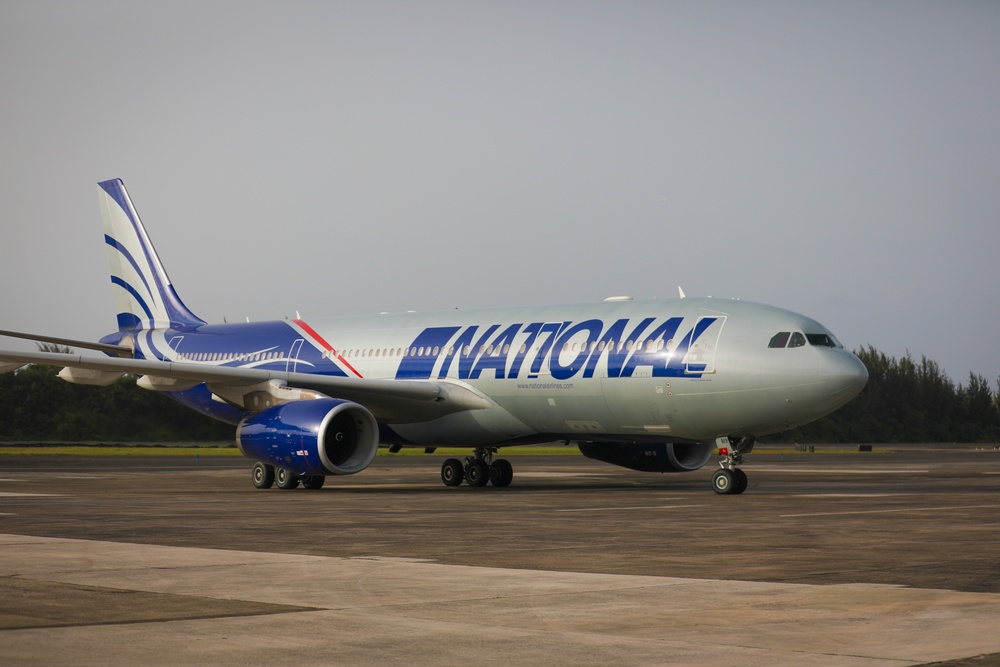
<point>38,406</point>
<point>905,400</point>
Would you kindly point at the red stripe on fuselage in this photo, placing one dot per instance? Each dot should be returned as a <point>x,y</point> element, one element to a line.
<point>326,346</point>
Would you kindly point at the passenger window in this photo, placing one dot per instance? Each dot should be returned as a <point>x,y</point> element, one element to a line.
<point>780,339</point>
<point>798,340</point>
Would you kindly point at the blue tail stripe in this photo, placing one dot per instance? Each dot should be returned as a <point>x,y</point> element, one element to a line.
<point>171,308</point>
<point>131,260</point>
<point>131,290</point>
<point>126,322</point>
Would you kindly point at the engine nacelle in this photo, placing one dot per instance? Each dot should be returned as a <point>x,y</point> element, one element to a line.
<point>656,457</point>
<point>319,437</point>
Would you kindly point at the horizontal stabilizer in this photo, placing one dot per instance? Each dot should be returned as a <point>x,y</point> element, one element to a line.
<point>118,350</point>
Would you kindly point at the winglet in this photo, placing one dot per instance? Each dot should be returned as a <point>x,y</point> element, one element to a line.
<point>680,291</point>
<point>144,297</point>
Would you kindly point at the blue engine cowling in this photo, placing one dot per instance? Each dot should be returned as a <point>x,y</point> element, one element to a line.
<point>656,457</point>
<point>324,436</point>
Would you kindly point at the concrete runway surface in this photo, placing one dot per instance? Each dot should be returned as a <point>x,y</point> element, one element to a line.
<point>882,558</point>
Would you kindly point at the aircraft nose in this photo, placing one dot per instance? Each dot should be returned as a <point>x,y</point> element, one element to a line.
<point>847,377</point>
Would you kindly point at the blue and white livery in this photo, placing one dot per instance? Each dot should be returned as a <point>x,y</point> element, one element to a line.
<point>650,385</point>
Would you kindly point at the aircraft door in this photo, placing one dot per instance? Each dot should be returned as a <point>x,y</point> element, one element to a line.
<point>293,355</point>
<point>700,357</point>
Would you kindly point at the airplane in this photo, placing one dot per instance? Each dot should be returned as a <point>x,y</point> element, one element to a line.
<point>650,385</point>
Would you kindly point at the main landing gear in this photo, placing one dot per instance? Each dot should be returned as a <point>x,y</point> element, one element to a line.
<point>265,476</point>
<point>479,469</point>
<point>730,480</point>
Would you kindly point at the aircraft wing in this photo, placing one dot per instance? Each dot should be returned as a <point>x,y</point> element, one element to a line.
<point>388,400</point>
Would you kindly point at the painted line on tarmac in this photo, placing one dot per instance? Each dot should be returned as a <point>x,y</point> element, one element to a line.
<point>620,509</point>
<point>11,494</point>
<point>852,495</point>
<point>846,471</point>
<point>543,475</point>
<point>887,511</point>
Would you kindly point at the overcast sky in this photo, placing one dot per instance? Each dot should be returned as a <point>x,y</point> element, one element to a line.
<point>840,159</point>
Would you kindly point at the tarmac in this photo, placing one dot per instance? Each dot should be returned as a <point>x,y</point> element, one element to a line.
<point>835,558</point>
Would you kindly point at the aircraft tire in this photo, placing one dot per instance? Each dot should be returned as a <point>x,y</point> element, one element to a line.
<point>723,482</point>
<point>313,481</point>
<point>284,479</point>
<point>452,472</point>
<point>501,473</point>
<point>262,475</point>
<point>741,481</point>
<point>477,474</point>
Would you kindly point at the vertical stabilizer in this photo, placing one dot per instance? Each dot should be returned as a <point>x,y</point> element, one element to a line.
<point>144,297</point>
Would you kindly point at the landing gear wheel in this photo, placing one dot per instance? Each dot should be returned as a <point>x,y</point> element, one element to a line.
<point>741,481</point>
<point>477,474</point>
<point>262,475</point>
<point>730,479</point>
<point>285,479</point>
<point>313,481</point>
<point>501,472</point>
<point>723,482</point>
<point>452,472</point>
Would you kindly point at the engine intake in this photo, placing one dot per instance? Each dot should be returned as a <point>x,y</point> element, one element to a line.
<point>322,437</point>
<point>656,457</point>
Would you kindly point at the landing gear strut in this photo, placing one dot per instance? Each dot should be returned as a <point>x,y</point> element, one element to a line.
<point>730,480</point>
<point>479,470</point>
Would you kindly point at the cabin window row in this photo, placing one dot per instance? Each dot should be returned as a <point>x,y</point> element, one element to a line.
<point>229,356</point>
<point>649,345</point>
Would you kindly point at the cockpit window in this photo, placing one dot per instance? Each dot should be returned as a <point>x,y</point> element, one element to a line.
<point>796,339</point>
<point>823,340</point>
<point>780,339</point>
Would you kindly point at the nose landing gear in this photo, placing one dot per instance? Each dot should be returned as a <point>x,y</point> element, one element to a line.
<point>730,480</point>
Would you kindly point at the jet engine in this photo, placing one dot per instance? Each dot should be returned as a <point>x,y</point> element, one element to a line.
<point>656,457</point>
<point>324,436</point>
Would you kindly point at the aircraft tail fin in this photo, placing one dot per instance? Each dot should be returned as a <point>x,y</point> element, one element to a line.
<point>144,297</point>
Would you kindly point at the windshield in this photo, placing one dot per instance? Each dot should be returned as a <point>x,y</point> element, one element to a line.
<point>823,340</point>
<point>797,339</point>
